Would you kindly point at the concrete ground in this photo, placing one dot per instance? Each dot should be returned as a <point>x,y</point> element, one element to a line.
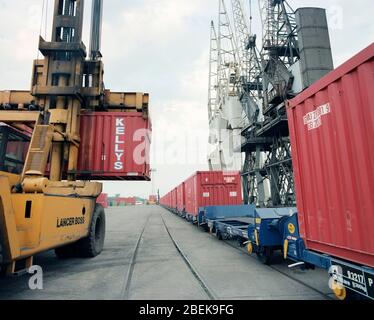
<point>159,272</point>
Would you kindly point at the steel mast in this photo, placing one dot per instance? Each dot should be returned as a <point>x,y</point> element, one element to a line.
<point>226,122</point>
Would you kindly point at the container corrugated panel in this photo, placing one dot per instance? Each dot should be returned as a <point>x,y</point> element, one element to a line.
<point>181,199</point>
<point>212,188</point>
<point>174,198</point>
<point>169,200</point>
<point>114,146</point>
<point>165,200</point>
<point>332,132</point>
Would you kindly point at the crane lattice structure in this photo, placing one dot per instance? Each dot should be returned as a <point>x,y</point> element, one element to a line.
<point>213,74</point>
<point>224,74</point>
<point>261,82</point>
<point>279,30</point>
<point>249,82</point>
<point>279,52</point>
<point>250,92</point>
<point>228,61</point>
<point>267,171</point>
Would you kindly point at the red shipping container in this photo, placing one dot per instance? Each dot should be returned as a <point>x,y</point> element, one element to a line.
<point>212,188</point>
<point>127,201</point>
<point>103,200</point>
<point>181,199</point>
<point>165,200</point>
<point>114,146</point>
<point>168,200</point>
<point>174,197</point>
<point>331,129</point>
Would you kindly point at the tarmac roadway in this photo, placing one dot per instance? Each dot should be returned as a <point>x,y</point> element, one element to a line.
<point>203,267</point>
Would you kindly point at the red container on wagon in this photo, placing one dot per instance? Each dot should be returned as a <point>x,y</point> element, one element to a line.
<point>114,146</point>
<point>103,200</point>
<point>163,200</point>
<point>174,197</point>
<point>332,132</point>
<point>167,200</point>
<point>181,199</point>
<point>212,188</point>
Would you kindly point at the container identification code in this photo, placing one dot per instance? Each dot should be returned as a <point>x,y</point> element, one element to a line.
<point>229,179</point>
<point>313,120</point>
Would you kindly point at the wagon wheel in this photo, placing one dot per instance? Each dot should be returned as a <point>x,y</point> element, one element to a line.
<point>211,230</point>
<point>265,255</point>
<point>240,242</point>
<point>219,235</point>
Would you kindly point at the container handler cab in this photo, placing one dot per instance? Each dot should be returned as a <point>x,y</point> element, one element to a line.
<point>42,205</point>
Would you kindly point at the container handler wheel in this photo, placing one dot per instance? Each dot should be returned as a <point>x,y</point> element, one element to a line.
<point>93,244</point>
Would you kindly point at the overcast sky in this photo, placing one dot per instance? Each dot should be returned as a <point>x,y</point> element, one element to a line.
<point>162,47</point>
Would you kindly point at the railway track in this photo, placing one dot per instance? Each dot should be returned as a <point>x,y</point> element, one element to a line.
<point>324,295</point>
<point>211,295</point>
<point>204,285</point>
<point>125,295</point>
<point>127,284</point>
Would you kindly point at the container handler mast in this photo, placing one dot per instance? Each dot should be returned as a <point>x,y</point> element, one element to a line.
<point>42,205</point>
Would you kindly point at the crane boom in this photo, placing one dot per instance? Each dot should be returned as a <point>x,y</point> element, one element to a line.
<point>242,32</point>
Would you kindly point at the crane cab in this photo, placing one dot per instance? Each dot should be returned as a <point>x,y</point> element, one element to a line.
<point>13,149</point>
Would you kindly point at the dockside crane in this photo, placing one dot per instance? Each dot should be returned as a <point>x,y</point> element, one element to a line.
<point>289,64</point>
<point>250,89</point>
<point>227,122</point>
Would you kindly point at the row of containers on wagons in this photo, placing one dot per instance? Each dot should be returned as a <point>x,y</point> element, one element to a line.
<point>331,130</point>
